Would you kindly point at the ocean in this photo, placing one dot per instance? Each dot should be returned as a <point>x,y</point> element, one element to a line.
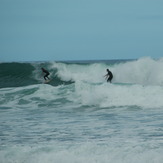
<point>78,117</point>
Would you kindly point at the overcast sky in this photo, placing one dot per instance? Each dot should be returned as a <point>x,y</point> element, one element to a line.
<point>51,30</point>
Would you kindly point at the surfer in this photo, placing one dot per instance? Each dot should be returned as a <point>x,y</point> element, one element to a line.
<point>109,75</point>
<point>46,73</point>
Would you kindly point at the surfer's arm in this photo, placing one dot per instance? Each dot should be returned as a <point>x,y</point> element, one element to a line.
<point>106,76</point>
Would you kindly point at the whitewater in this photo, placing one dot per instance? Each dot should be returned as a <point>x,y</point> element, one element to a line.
<point>78,117</point>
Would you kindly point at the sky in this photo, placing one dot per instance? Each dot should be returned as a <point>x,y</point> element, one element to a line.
<point>59,30</point>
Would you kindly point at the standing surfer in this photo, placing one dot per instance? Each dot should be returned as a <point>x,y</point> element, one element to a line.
<point>46,73</point>
<point>109,75</point>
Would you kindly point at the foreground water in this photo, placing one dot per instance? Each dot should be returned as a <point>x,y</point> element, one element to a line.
<point>78,117</point>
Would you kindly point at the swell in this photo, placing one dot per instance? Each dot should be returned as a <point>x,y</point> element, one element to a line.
<point>23,74</point>
<point>16,74</point>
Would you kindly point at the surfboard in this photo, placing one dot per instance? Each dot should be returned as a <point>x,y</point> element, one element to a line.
<point>127,84</point>
<point>46,81</point>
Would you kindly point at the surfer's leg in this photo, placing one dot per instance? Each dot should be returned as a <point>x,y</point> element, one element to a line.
<point>109,79</point>
<point>44,77</point>
<point>48,77</point>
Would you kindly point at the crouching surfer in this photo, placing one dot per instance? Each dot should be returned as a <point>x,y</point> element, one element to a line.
<point>46,74</point>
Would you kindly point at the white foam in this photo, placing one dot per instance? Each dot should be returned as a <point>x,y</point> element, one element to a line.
<point>83,93</point>
<point>75,72</point>
<point>31,95</point>
<point>107,95</point>
<point>87,152</point>
<point>145,71</point>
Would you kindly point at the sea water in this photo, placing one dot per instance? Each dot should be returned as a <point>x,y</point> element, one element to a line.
<point>78,117</point>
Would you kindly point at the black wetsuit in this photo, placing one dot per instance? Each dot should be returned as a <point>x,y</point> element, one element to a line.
<point>110,76</point>
<point>46,73</point>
